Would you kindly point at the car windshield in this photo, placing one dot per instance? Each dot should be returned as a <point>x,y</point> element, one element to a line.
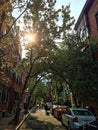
<point>82,113</point>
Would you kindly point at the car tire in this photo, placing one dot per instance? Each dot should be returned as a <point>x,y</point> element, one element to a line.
<point>58,117</point>
<point>69,128</point>
<point>62,123</point>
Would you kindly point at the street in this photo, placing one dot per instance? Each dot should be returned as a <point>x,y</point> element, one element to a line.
<point>38,120</point>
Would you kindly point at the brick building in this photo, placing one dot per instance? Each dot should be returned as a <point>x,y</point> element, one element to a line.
<point>10,55</point>
<point>87,24</point>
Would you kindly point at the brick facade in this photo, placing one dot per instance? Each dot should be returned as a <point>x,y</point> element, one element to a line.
<point>87,20</point>
<point>92,19</point>
<point>10,56</point>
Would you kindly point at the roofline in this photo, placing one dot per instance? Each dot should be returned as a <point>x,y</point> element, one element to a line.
<point>85,10</point>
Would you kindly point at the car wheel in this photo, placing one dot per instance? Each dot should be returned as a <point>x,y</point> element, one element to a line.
<point>62,123</point>
<point>59,118</point>
<point>69,128</point>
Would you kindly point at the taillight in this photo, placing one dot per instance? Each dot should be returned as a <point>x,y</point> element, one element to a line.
<point>75,119</point>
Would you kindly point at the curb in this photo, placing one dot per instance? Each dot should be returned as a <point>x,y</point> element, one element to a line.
<point>24,118</point>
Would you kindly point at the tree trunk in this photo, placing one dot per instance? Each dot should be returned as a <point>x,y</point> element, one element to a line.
<point>75,100</point>
<point>17,114</point>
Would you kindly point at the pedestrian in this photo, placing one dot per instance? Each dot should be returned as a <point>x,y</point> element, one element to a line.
<point>46,109</point>
<point>37,106</point>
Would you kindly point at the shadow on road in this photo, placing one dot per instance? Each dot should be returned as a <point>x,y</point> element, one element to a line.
<point>34,123</point>
<point>34,110</point>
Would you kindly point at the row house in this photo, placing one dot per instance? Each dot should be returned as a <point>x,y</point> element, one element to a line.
<point>87,25</point>
<point>11,83</point>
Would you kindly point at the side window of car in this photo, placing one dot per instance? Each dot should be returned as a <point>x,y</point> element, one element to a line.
<point>68,112</point>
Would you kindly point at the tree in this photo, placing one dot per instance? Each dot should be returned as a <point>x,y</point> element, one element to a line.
<point>43,23</point>
<point>65,59</point>
<point>75,64</point>
<point>41,18</point>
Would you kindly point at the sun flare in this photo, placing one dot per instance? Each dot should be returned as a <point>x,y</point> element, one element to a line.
<point>30,38</point>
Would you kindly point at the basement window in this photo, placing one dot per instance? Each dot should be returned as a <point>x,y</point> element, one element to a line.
<point>97,19</point>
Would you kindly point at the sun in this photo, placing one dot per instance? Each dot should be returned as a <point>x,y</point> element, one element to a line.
<point>30,38</point>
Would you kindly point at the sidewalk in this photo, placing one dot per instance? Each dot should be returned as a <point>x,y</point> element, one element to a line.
<point>6,124</point>
<point>38,120</point>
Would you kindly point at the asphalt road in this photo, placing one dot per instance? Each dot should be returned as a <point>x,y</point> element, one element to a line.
<point>38,120</point>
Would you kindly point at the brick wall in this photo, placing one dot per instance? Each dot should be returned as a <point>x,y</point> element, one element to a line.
<point>92,20</point>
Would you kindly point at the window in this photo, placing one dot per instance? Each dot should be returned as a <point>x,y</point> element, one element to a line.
<point>82,33</point>
<point>68,112</point>
<point>96,18</point>
<point>82,113</point>
<point>4,97</point>
<point>16,97</point>
<point>87,31</point>
<point>14,76</point>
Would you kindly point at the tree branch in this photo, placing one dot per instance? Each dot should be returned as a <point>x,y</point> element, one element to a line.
<point>1,37</point>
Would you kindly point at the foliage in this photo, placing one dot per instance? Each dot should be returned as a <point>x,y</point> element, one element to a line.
<point>75,63</point>
<point>71,59</point>
<point>41,91</point>
<point>56,55</point>
<point>43,22</point>
<point>80,68</point>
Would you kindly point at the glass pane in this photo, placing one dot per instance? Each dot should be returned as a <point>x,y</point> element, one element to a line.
<point>82,113</point>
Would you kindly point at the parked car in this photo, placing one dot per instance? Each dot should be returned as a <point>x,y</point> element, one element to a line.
<point>76,118</point>
<point>92,126</point>
<point>59,111</point>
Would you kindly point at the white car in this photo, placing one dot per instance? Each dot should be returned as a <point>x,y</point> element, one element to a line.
<point>75,118</point>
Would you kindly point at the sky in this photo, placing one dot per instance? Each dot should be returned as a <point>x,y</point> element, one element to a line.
<point>76,6</point>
